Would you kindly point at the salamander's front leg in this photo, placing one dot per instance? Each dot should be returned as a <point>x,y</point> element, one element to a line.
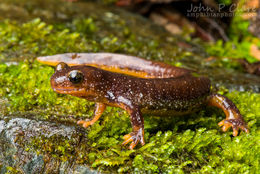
<point>233,117</point>
<point>100,107</point>
<point>137,135</point>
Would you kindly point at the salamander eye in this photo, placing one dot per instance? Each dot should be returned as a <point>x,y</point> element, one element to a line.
<point>76,76</point>
<point>61,66</point>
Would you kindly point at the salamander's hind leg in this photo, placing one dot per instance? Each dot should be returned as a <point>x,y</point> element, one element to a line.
<point>100,107</point>
<point>137,135</point>
<point>233,117</point>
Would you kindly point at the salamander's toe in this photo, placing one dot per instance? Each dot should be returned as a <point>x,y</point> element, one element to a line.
<point>236,124</point>
<point>135,138</point>
<point>127,138</point>
<point>84,123</point>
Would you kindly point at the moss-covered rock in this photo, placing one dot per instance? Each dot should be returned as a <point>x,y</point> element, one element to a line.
<point>38,131</point>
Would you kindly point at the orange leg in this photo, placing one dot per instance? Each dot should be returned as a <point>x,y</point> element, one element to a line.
<point>233,117</point>
<point>100,107</point>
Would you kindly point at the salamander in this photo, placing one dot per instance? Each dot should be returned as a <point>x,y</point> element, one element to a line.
<point>138,86</point>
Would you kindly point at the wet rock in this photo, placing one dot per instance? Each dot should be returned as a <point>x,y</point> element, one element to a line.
<point>220,76</point>
<point>16,143</point>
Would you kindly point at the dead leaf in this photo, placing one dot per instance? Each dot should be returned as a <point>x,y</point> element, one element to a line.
<point>254,51</point>
<point>252,4</point>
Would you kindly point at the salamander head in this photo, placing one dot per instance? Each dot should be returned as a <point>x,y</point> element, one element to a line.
<point>74,80</point>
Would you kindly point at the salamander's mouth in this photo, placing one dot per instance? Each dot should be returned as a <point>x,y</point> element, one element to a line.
<point>69,90</point>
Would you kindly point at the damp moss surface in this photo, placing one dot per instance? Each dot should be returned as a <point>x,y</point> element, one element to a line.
<point>239,43</point>
<point>190,144</point>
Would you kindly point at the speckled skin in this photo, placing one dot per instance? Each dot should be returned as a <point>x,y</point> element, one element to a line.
<point>164,90</point>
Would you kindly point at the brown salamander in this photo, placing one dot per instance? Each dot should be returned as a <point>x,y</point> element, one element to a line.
<point>138,86</point>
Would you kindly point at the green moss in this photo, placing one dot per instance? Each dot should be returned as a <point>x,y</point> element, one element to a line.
<point>11,170</point>
<point>239,26</point>
<point>192,144</point>
<point>238,47</point>
<point>81,35</point>
<point>36,38</point>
